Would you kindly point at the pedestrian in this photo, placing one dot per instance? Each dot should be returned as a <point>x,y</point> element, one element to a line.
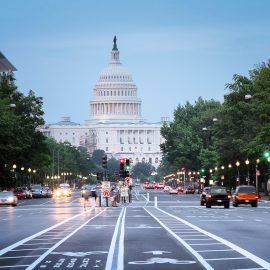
<point>123,193</point>
<point>86,198</point>
<point>93,197</point>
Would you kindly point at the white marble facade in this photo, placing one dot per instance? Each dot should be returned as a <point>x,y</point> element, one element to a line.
<point>115,123</point>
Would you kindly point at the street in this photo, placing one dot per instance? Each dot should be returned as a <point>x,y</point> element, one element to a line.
<point>164,232</point>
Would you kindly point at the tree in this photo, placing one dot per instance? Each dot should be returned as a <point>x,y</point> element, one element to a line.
<point>244,130</point>
<point>20,142</point>
<point>185,141</point>
<point>97,156</point>
<point>142,170</point>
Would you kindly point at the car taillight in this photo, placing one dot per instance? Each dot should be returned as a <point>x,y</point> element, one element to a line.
<point>209,196</point>
<point>229,196</point>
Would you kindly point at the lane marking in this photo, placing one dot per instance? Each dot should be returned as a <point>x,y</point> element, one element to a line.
<point>215,250</point>
<point>113,242</point>
<point>240,250</point>
<point>188,247</point>
<point>4,250</point>
<point>44,255</point>
<point>18,257</point>
<point>13,266</point>
<point>226,259</point>
<point>120,261</point>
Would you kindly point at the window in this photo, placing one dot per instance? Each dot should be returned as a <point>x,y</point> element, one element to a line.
<point>107,149</point>
<point>107,140</point>
<point>122,149</point>
<point>150,160</point>
<point>156,160</point>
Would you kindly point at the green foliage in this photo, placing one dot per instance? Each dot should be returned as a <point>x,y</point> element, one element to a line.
<point>97,156</point>
<point>142,170</point>
<point>184,138</point>
<point>20,142</point>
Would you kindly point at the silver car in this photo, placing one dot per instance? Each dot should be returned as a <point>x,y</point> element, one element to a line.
<point>8,198</point>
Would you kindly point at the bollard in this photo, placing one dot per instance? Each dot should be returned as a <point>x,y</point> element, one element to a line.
<point>155,202</point>
<point>147,197</point>
<point>99,200</point>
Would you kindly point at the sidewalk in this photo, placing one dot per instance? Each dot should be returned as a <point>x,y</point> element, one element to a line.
<point>264,198</point>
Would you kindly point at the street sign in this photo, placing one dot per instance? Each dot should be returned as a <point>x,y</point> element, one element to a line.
<point>106,185</point>
<point>106,193</point>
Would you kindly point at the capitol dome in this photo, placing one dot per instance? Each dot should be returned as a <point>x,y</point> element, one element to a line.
<point>115,94</point>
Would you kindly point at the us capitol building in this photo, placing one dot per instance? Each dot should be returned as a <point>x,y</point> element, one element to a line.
<point>115,124</point>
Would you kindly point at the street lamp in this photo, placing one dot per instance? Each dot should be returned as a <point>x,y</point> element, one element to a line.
<point>29,176</point>
<point>238,175</point>
<point>247,163</point>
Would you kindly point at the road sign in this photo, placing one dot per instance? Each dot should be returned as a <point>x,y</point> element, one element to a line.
<point>106,185</point>
<point>106,193</point>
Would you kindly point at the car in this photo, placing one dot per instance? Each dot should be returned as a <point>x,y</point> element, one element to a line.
<point>218,195</point>
<point>180,189</point>
<point>160,186</point>
<point>189,190</point>
<point>8,198</point>
<point>85,189</point>
<point>28,192</point>
<point>166,188</point>
<point>245,194</point>
<point>62,192</point>
<point>47,192</point>
<point>20,193</point>
<point>203,195</point>
<point>173,191</point>
<point>37,191</point>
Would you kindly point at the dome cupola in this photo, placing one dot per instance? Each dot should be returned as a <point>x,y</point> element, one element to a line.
<point>115,93</point>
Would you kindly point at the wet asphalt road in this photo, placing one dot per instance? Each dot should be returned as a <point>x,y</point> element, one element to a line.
<point>166,232</point>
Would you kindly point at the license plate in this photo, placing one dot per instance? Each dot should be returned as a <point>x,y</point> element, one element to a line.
<point>246,200</point>
<point>219,200</point>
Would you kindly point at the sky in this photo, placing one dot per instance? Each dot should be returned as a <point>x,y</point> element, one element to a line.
<point>176,50</point>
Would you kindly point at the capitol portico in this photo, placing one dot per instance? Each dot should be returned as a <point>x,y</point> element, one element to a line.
<point>115,122</point>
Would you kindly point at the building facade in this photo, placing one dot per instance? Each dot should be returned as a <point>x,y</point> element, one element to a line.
<point>115,122</point>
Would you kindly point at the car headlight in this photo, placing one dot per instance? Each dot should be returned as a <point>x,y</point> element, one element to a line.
<point>57,192</point>
<point>10,199</point>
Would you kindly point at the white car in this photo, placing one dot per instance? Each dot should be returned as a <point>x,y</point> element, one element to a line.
<point>166,188</point>
<point>8,198</point>
<point>173,191</point>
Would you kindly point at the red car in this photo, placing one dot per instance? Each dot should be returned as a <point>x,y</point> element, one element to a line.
<point>189,190</point>
<point>20,193</point>
<point>180,189</point>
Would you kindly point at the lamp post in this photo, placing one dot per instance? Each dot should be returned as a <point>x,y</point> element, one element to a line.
<point>238,175</point>
<point>22,176</point>
<point>247,179</point>
<point>15,175</point>
<point>257,174</point>
<point>229,176</point>
<point>29,176</point>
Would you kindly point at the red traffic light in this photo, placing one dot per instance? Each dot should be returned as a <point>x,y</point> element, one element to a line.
<point>183,168</point>
<point>122,161</point>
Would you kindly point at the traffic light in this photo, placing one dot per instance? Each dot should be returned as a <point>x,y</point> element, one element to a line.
<point>266,154</point>
<point>183,168</point>
<point>127,168</point>
<point>104,162</point>
<point>122,165</point>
